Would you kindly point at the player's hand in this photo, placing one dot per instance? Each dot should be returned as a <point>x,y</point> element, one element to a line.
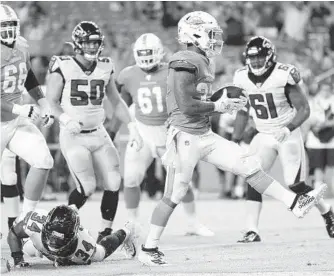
<point>46,113</point>
<point>28,111</point>
<point>72,126</point>
<point>282,135</point>
<point>134,136</point>
<point>225,104</point>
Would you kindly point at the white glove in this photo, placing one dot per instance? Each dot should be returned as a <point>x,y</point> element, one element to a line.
<point>134,136</point>
<point>46,113</point>
<point>74,127</point>
<point>282,135</point>
<point>225,104</point>
<point>28,111</point>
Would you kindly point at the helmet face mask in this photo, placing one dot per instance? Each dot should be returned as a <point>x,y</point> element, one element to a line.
<point>202,30</point>
<point>60,230</point>
<point>148,51</point>
<point>10,25</point>
<point>84,36</point>
<point>260,55</point>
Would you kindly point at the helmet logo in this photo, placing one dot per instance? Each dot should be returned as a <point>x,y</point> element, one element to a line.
<point>79,31</point>
<point>266,44</point>
<point>196,20</point>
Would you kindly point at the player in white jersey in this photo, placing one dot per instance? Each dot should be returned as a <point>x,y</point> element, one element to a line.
<point>279,107</point>
<point>145,84</point>
<point>76,88</point>
<point>59,236</point>
<point>18,133</point>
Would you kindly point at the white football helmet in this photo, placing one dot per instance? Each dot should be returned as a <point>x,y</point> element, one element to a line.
<point>10,25</point>
<point>148,51</point>
<point>202,30</point>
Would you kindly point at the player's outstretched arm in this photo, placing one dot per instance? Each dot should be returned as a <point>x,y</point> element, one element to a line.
<point>14,239</point>
<point>240,125</point>
<point>299,101</point>
<point>184,90</point>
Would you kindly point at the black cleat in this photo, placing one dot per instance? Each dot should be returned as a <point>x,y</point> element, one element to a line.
<point>250,236</point>
<point>329,220</point>
<point>104,233</point>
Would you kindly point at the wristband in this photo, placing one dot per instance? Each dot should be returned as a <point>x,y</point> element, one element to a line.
<point>17,109</point>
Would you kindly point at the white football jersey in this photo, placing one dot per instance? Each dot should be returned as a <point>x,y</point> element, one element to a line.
<point>86,245</point>
<point>269,104</point>
<point>84,90</point>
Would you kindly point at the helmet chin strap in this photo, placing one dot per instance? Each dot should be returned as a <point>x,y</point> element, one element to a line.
<point>90,57</point>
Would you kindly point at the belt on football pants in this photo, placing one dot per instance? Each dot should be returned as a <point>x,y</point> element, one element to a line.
<point>88,130</point>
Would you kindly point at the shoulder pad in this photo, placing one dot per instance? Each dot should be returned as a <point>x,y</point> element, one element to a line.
<point>22,42</point>
<point>122,76</point>
<point>105,59</point>
<point>182,65</point>
<point>53,64</point>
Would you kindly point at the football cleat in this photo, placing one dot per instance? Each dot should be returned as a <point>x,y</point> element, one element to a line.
<point>304,202</point>
<point>199,230</point>
<point>129,244</point>
<point>329,220</point>
<point>151,257</point>
<point>250,236</point>
<point>102,234</point>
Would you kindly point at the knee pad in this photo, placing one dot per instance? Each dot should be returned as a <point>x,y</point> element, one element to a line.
<point>248,165</point>
<point>43,160</point>
<point>30,250</point>
<point>253,195</point>
<point>180,189</point>
<point>114,181</point>
<point>133,178</point>
<point>8,177</point>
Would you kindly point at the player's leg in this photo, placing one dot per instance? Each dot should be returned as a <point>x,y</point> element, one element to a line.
<point>80,163</point>
<point>228,155</point>
<point>9,190</point>
<point>106,164</point>
<point>135,166</point>
<point>183,152</point>
<point>29,144</point>
<point>293,160</point>
<point>264,148</point>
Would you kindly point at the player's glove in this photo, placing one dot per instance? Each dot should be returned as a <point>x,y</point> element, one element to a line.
<point>225,104</point>
<point>74,127</point>
<point>28,111</point>
<point>46,113</point>
<point>282,135</point>
<point>134,136</point>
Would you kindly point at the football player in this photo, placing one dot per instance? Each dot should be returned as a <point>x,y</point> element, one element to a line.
<point>190,138</point>
<point>145,85</point>
<point>58,236</point>
<point>76,88</point>
<point>279,107</point>
<point>18,133</point>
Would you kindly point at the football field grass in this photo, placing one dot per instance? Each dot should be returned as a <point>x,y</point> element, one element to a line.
<point>290,246</point>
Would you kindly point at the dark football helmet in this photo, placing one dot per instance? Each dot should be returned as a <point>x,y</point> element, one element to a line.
<point>88,40</point>
<point>260,55</point>
<point>60,230</point>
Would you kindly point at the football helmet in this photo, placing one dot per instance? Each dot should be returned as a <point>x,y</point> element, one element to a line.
<point>202,30</point>
<point>148,51</point>
<point>84,33</point>
<point>260,55</point>
<point>60,230</point>
<point>10,25</point>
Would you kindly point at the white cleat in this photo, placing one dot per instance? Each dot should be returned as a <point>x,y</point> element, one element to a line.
<point>303,203</point>
<point>199,230</point>
<point>130,243</point>
<point>151,257</point>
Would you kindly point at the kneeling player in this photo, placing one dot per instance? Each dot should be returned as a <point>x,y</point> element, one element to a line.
<point>59,236</point>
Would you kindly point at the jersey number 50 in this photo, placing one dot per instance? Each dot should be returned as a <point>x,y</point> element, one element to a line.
<point>145,99</point>
<point>80,97</point>
<point>259,102</point>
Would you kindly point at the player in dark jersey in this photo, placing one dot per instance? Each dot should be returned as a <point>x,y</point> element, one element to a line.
<point>145,85</point>
<point>190,137</point>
